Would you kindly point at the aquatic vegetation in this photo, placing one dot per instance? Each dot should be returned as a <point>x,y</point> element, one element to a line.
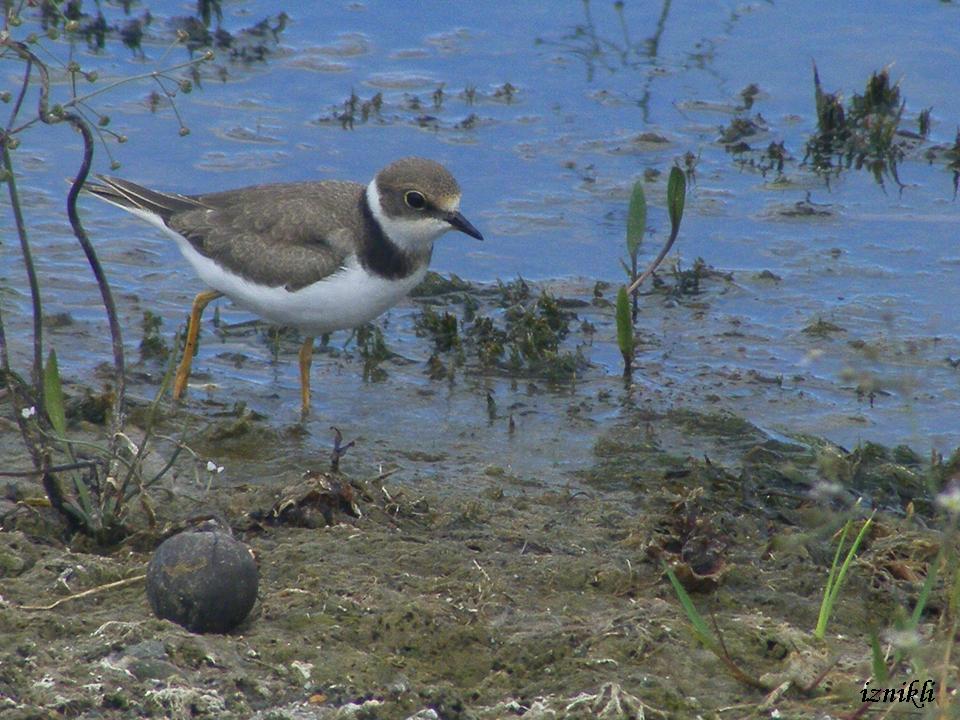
<point>255,43</point>
<point>534,334</point>
<point>442,328</point>
<point>625,337</point>
<point>952,155</point>
<point>525,338</point>
<point>407,108</point>
<point>152,344</point>
<point>771,159</point>
<point>636,225</point>
<point>373,349</point>
<point>870,132</point>
<point>636,228</point>
<point>865,134</point>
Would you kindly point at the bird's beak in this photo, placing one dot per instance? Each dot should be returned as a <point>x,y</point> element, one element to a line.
<point>459,222</point>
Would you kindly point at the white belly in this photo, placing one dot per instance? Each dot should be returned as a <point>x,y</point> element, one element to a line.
<point>346,299</point>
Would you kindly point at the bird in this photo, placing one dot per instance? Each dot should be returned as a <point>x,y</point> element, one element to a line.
<point>318,256</point>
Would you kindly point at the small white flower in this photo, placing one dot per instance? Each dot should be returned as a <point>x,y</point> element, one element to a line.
<point>949,499</point>
<point>213,467</point>
<point>28,413</point>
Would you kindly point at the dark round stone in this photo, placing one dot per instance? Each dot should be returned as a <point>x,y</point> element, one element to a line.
<point>204,581</point>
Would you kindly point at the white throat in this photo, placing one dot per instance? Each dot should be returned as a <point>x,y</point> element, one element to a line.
<point>415,235</point>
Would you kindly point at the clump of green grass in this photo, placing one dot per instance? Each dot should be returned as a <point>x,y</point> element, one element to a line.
<point>838,573</point>
<point>535,332</point>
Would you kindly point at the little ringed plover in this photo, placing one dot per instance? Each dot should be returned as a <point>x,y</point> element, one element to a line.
<point>317,256</point>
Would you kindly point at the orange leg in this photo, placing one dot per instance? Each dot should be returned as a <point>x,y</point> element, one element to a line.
<point>306,359</point>
<point>190,348</point>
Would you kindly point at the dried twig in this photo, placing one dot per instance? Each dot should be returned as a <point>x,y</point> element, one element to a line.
<point>87,593</point>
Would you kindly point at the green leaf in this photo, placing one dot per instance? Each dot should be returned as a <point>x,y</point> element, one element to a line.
<point>53,395</point>
<point>84,499</point>
<point>676,194</point>
<point>625,337</point>
<point>636,220</point>
<point>700,629</point>
<point>924,595</point>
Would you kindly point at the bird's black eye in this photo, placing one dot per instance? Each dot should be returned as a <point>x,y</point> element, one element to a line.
<point>415,199</point>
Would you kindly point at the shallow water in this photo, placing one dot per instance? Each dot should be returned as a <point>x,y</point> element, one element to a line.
<point>546,171</point>
<point>514,559</point>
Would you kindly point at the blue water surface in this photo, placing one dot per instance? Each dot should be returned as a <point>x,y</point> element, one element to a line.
<point>572,103</point>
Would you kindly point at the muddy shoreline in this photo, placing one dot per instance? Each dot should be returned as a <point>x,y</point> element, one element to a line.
<point>470,587</point>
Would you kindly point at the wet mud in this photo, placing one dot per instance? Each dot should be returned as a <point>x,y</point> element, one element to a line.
<point>419,580</point>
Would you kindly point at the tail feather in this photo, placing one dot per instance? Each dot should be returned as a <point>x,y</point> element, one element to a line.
<point>131,196</point>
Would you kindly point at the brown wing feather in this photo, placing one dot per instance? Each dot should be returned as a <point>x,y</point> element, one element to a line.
<point>290,234</point>
<point>278,235</point>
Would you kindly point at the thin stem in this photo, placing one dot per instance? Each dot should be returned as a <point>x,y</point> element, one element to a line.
<point>98,273</point>
<point>23,93</point>
<point>84,129</point>
<point>31,270</point>
<point>135,78</point>
<point>147,436</point>
<point>170,95</point>
<point>88,464</point>
<point>656,263</point>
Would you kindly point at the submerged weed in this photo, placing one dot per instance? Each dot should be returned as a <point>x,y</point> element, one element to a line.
<point>953,162</point>
<point>526,338</point>
<point>441,328</point>
<point>373,349</point>
<point>152,344</point>
<point>535,332</point>
<point>862,135</point>
<point>687,282</point>
<point>488,340</point>
<point>514,292</point>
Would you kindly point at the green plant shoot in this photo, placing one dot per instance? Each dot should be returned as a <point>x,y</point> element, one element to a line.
<point>636,224</point>
<point>625,338</point>
<point>837,575</point>
<point>636,227</point>
<point>676,194</point>
<point>53,395</point>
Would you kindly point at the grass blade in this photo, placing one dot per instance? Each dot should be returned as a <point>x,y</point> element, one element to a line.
<point>835,580</point>
<point>925,591</point>
<point>700,629</point>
